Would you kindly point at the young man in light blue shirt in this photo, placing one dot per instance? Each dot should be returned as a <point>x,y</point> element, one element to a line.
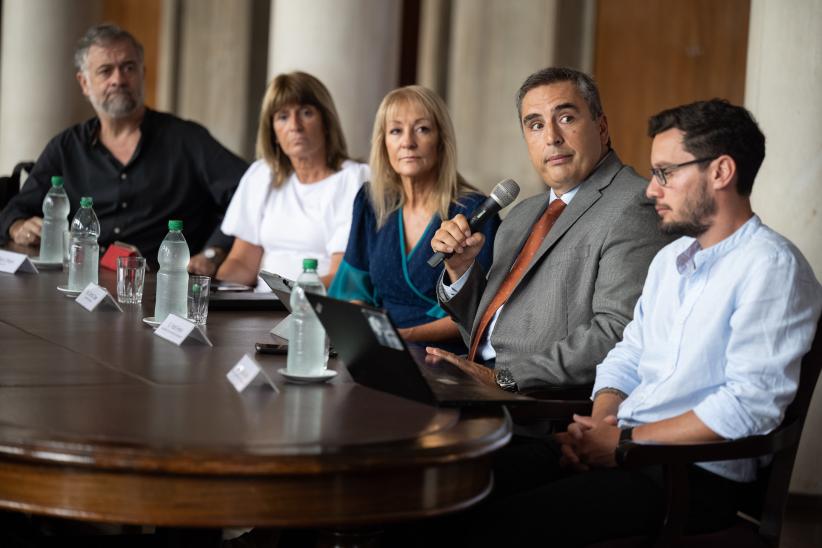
<point>713,351</point>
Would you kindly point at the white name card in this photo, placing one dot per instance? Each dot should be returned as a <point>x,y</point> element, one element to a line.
<point>176,329</point>
<point>12,262</point>
<point>248,372</point>
<point>283,328</point>
<point>93,295</point>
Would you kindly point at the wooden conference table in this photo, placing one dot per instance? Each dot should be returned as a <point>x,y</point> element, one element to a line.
<point>101,420</point>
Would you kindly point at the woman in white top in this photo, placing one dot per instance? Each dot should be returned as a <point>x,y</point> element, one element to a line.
<point>295,202</point>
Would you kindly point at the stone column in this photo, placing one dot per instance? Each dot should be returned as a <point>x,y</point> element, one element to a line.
<point>39,95</point>
<point>220,69</point>
<point>352,46</point>
<point>168,54</point>
<point>782,86</point>
<point>432,55</point>
<point>494,47</point>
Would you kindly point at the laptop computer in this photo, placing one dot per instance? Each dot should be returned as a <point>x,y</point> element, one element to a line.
<point>281,287</point>
<point>377,357</point>
<point>232,296</point>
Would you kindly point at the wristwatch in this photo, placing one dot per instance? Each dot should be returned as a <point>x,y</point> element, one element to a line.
<point>210,253</point>
<point>626,434</point>
<point>505,379</point>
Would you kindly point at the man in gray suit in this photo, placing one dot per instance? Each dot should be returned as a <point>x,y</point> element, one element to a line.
<point>550,316</point>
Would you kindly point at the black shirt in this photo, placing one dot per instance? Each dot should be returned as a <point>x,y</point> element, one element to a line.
<point>178,171</point>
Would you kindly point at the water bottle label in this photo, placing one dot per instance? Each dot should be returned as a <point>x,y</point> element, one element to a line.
<point>11,262</point>
<point>176,329</point>
<point>93,295</point>
<point>247,372</point>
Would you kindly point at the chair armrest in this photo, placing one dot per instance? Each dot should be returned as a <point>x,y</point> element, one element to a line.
<point>578,392</point>
<point>556,403</point>
<point>635,454</point>
<point>552,410</point>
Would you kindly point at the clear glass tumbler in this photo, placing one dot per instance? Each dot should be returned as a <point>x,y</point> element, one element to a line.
<point>131,273</point>
<point>198,289</point>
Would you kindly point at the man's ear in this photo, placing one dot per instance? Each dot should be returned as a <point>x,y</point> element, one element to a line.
<point>84,84</point>
<point>723,172</point>
<point>604,136</point>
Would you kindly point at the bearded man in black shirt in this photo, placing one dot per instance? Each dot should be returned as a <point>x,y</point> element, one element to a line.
<point>142,167</point>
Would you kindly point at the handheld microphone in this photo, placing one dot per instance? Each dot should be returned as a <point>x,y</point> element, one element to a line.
<point>502,196</point>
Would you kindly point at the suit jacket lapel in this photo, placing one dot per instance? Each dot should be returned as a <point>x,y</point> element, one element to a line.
<point>587,195</point>
<point>506,258</point>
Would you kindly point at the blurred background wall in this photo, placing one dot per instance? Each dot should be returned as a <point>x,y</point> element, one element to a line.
<point>209,61</point>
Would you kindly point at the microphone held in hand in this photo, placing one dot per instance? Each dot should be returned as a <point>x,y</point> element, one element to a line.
<point>502,196</point>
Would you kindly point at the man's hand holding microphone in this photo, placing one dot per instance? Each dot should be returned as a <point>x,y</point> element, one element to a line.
<point>459,240</point>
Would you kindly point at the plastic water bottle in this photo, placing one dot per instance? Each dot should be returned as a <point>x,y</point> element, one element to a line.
<point>84,252</point>
<point>172,278</point>
<point>55,222</point>
<point>307,346</point>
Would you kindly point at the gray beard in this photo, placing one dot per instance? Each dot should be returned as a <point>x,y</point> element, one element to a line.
<point>119,105</point>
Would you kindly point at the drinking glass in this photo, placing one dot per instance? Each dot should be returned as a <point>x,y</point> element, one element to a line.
<point>131,273</point>
<point>198,288</point>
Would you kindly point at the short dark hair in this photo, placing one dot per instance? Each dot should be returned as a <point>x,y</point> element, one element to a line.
<point>716,127</point>
<point>102,35</point>
<point>552,75</point>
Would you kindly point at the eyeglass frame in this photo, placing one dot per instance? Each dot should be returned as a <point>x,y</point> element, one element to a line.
<point>661,173</point>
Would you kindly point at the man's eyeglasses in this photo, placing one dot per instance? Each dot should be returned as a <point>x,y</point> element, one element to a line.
<point>661,173</point>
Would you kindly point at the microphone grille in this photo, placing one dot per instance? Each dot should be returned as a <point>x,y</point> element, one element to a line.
<point>505,192</point>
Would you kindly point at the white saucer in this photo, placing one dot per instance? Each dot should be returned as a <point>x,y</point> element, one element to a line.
<point>46,265</point>
<point>326,375</point>
<point>151,321</point>
<point>68,292</point>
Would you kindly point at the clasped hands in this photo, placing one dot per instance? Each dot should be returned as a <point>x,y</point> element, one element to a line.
<point>589,443</point>
<point>586,444</point>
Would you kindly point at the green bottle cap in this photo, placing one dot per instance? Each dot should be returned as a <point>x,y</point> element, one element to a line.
<point>309,264</point>
<point>86,201</point>
<point>56,181</point>
<point>175,225</point>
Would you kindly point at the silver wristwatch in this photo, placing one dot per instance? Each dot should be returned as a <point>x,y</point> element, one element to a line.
<point>210,253</point>
<point>505,379</point>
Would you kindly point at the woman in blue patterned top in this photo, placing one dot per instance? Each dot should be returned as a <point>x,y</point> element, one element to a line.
<point>414,185</point>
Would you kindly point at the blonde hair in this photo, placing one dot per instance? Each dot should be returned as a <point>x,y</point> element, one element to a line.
<point>385,190</point>
<point>298,88</point>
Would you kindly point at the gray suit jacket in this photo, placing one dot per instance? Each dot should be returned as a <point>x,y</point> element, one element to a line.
<point>579,291</point>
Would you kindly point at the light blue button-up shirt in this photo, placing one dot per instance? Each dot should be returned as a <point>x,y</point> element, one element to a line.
<point>720,332</point>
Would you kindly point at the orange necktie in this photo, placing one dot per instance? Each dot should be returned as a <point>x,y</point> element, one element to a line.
<point>538,234</point>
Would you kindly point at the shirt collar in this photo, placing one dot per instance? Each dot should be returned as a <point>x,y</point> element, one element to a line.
<point>694,257</point>
<point>568,196</point>
<point>92,128</point>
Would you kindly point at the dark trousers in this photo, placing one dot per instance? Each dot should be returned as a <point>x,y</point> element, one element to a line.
<point>536,503</point>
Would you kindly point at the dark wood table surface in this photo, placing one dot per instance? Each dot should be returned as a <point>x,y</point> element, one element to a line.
<point>101,420</point>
